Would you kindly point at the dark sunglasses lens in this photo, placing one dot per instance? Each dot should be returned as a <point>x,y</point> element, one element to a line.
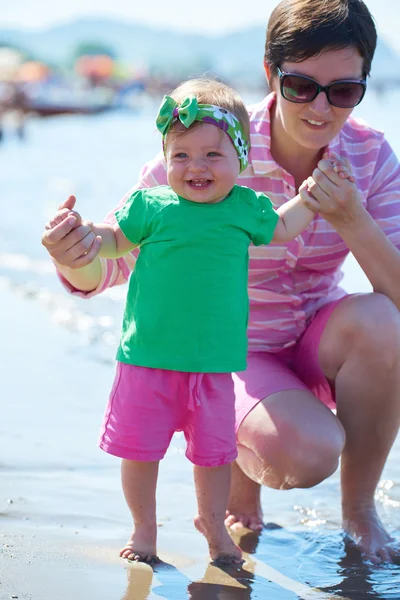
<point>298,89</point>
<point>346,94</point>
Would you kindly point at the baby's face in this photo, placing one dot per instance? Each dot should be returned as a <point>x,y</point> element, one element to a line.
<point>202,164</point>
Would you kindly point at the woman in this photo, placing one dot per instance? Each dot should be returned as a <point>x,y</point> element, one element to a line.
<point>312,347</point>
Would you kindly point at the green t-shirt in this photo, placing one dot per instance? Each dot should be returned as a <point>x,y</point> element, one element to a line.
<point>187,303</point>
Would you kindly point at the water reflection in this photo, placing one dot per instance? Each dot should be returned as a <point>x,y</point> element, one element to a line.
<point>169,582</point>
<point>278,564</point>
<point>222,586</point>
<point>140,581</point>
<point>362,581</point>
<point>213,583</point>
<point>330,562</point>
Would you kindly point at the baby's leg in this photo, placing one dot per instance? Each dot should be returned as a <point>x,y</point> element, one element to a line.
<point>212,491</point>
<point>139,482</point>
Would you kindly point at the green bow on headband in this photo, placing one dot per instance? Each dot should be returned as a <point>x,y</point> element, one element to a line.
<point>170,111</point>
<point>189,110</point>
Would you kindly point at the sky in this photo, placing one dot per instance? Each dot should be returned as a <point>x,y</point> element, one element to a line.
<point>208,18</point>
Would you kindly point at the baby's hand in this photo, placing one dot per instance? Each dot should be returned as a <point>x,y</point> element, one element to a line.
<point>341,166</point>
<point>64,212</point>
<point>335,193</point>
<point>59,217</point>
<point>68,239</point>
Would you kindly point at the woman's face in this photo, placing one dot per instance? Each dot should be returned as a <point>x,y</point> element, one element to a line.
<point>314,124</point>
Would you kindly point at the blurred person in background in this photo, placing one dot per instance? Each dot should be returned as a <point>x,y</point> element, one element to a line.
<point>323,375</point>
<point>13,108</point>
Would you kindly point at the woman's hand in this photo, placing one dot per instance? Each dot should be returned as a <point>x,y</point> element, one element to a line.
<point>332,193</point>
<point>70,240</point>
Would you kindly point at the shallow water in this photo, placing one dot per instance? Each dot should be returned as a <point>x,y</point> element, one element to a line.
<point>57,368</point>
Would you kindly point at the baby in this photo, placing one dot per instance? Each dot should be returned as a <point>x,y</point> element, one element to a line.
<point>184,326</point>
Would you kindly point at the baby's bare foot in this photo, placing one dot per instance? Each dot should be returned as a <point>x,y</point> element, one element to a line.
<point>222,548</point>
<point>142,545</point>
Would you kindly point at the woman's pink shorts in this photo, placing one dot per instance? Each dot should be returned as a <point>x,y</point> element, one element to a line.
<point>147,406</point>
<point>296,368</point>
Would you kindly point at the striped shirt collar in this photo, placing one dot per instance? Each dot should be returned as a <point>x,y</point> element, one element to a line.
<point>261,158</point>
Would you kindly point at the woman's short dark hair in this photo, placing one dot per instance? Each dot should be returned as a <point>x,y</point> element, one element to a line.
<point>300,29</point>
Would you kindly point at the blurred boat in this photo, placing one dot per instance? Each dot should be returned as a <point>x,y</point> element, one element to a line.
<point>32,88</point>
<point>52,99</point>
<point>48,109</point>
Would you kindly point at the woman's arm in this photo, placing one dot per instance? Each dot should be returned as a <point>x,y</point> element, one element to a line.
<point>75,246</point>
<point>341,205</point>
<point>75,249</point>
<point>376,255</point>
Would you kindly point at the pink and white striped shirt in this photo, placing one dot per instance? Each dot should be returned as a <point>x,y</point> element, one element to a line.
<point>289,282</point>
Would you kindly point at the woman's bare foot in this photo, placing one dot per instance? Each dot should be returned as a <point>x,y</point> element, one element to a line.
<point>142,545</point>
<point>244,505</point>
<point>223,549</point>
<point>367,531</point>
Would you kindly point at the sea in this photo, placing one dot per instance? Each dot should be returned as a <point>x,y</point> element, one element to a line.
<point>57,365</point>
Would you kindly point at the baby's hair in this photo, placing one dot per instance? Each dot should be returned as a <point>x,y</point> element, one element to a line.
<point>210,91</point>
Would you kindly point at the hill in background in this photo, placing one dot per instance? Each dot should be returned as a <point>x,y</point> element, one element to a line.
<point>236,56</point>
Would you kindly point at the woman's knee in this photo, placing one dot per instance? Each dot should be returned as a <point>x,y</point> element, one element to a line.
<point>298,452</point>
<point>302,465</point>
<point>364,328</point>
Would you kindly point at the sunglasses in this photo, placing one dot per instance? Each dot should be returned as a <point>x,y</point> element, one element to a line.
<point>346,93</point>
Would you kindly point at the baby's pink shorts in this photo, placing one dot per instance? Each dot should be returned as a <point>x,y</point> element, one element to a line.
<point>147,406</point>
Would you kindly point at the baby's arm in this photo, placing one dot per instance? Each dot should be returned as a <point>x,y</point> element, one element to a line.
<point>113,242</point>
<point>298,213</point>
<point>294,217</point>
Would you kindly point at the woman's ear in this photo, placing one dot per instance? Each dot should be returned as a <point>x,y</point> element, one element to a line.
<point>267,70</point>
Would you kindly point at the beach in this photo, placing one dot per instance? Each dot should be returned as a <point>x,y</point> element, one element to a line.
<point>63,518</point>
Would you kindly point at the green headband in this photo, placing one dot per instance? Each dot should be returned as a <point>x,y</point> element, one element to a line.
<point>189,110</point>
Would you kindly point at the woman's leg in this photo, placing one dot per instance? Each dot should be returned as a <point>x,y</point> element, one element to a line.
<point>289,439</point>
<point>212,490</point>
<point>360,352</point>
<point>139,482</point>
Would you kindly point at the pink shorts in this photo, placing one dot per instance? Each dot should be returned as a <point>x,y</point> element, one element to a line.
<point>295,368</point>
<point>147,406</point>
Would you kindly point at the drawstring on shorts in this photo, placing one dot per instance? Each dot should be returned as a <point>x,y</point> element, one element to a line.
<point>195,380</point>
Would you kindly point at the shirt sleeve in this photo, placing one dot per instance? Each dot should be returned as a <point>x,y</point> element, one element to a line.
<point>267,221</point>
<point>383,201</point>
<point>132,217</point>
<point>116,271</point>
